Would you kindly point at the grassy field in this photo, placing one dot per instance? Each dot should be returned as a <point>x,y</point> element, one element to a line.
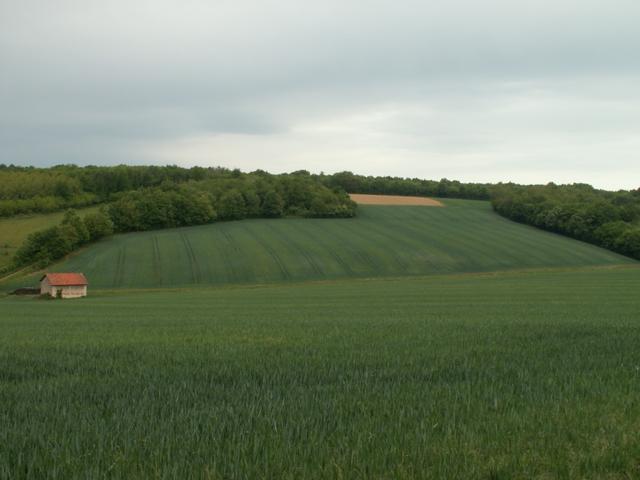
<point>14,230</point>
<point>487,376</point>
<point>466,236</point>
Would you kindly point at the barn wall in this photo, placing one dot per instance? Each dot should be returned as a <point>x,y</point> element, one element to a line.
<point>74,291</point>
<point>45,288</point>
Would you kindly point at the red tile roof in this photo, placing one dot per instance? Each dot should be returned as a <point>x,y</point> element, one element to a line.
<point>65,279</point>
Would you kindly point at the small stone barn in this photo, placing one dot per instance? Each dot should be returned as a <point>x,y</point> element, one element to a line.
<point>65,285</point>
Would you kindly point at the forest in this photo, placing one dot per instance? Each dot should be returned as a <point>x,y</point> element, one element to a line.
<point>607,219</point>
<point>30,190</point>
<point>443,188</point>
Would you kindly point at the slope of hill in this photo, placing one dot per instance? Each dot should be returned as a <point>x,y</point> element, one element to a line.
<point>14,230</point>
<point>465,236</point>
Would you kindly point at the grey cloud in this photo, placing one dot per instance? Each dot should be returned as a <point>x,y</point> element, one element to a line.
<point>375,86</point>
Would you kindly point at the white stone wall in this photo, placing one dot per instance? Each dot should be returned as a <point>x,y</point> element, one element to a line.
<point>74,291</point>
<point>45,288</point>
<point>67,292</point>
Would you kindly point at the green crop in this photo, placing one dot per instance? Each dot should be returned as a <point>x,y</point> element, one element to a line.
<point>465,236</point>
<point>500,375</point>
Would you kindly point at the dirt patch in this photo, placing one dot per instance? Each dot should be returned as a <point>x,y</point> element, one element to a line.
<point>393,200</point>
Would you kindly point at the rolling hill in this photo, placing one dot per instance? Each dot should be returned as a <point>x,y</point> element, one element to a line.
<point>465,236</point>
<point>14,230</point>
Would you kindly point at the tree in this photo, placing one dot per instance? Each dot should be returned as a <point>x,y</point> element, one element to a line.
<point>231,206</point>
<point>251,201</point>
<point>44,246</point>
<point>157,209</point>
<point>629,242</point>
<point>98,225</point>
<point>74,229</point>
<point>125,214</point>
<point>193,208</point>
<point>272,205</point>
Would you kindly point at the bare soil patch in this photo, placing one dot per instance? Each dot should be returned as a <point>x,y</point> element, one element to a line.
<point>393,200</point>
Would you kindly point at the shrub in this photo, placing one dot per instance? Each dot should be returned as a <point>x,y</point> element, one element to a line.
<point>98,225</point>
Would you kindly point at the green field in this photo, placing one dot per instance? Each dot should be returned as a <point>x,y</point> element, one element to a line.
<point>14,230</point>
<point>409,342</point>
<point>487,376</point>
<point>466,236</point>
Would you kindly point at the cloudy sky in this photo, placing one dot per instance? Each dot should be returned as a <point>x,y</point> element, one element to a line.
<point>491,90</point>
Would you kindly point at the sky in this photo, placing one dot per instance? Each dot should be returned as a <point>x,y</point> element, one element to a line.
<point>480,91</point>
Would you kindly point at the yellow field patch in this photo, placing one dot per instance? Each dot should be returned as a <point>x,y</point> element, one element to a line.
<point>364,199</point>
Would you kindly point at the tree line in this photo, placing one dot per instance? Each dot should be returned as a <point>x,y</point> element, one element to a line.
<point>171,204</point>
<point>45,246</point>
<point>607,219</point>
<point>257,195</point>
<point>443,188</point>
<point>31,190</point>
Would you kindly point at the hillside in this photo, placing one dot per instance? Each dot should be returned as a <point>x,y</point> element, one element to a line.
<point>14,230</point>
<point>465,236</point>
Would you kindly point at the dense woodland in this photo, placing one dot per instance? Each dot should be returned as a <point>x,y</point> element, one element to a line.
<point>31,190</point>
<point>608,219</point>
<point>256,195</point>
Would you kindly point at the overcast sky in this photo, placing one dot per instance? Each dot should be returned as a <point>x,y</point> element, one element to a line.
<point>476,90</point>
